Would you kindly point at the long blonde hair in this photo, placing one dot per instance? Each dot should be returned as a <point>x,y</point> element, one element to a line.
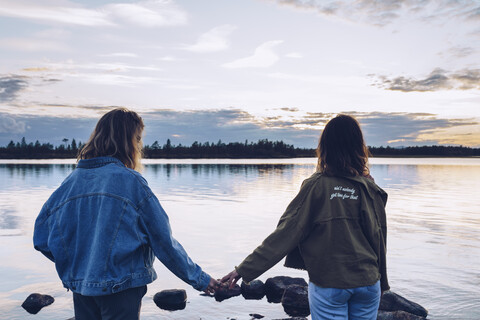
<point>117,134</point>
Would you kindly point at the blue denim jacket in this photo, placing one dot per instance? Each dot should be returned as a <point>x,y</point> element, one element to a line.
<point>103,228</point>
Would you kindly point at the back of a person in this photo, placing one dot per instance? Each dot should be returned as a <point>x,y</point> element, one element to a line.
<point>103,226</point>
<point>348,260</point>
<point>94,225</point>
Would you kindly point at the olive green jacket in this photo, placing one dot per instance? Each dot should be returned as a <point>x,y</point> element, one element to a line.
<point>335,228</point>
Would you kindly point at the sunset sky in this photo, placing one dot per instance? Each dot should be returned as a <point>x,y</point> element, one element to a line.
<point>409,70</point>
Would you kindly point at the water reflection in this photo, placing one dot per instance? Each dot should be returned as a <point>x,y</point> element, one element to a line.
<point>219,169</point>
<point>221,211</point>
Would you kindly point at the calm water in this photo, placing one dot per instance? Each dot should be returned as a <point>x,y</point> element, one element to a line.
<point>221,210</point>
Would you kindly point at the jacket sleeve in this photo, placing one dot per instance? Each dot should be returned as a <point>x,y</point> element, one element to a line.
<point>41,232</point>
<point>292,228</point>
<point>380,208</point>
<point>154,222</point>
<point>375,230</point>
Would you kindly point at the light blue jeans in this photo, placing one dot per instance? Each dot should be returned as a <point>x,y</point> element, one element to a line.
<point>353,304</point>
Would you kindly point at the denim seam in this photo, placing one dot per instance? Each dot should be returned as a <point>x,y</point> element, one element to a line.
<point>91,195</point>
<point>64,243</point>
<point>114,238</point>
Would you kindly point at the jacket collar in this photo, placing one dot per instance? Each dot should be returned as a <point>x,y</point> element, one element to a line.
<point>97,162</point>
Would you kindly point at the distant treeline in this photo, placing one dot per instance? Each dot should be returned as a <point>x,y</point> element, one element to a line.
<point>261,149</point>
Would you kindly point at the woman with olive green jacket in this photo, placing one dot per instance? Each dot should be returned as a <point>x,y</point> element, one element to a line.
<point>335,228</point>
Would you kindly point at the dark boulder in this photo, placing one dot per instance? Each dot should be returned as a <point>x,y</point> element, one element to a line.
<point>256,316</point>
<point>295,301</point>
<point>275,287</point>
<point>36,301</point>
<point>397,315</point>
<point>393,302</point>
<point>174,299</point>
<point>224,292</point>
<point>254,290</point>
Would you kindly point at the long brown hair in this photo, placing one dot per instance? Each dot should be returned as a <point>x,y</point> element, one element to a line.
<point>341,148</point>
<point>117,134</point>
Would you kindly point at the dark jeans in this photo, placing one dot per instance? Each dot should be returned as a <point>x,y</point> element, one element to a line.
<point>123,305</point>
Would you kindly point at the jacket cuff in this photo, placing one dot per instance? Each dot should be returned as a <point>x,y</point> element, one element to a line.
<point>203,282</point>
<point>243,273</point>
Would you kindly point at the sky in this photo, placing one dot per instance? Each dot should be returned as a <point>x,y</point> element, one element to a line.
<point>234,70</point>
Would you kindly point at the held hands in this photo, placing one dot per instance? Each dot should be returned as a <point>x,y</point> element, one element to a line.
<point>231,279</point>
<point>212,286</point>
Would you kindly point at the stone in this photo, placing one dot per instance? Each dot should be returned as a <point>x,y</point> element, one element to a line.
<point>223,292</point>
<point>173,299</point>
<point>36,301</point>
<point>256,316</point>
<point>295,301</point>
<point>275,287</point>
<point>254,290</point>
<point>393,302</point>
<point>397,315</point>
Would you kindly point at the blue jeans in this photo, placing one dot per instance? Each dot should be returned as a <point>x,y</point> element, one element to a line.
<point>355,304</point>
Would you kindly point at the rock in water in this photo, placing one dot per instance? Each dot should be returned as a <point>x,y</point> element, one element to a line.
<point>254,290</point>
<point>256,316</point>
<point>295,301</point>
<point>36,301</point>
<point>275,287</point>
<point>223,292</point>
<point>393,302</point>
<point>174,299</point>
<point>397,315</point>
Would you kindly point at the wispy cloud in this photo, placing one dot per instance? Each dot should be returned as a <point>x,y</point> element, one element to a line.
<point>459,52</point>
<point>215,39</point>
<point>437,80</point>
<point>382,13</point>
<point>67,14</point>
<point>152,13</point>
<point>10,86</point>
<point>263,57</point>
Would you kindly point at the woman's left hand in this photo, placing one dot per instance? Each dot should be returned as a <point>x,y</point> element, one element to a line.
<point>231,278</point>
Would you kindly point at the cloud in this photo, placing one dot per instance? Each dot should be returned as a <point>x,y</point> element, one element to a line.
<point>381,13</point>
<point>404,129</point>
<point>437,80</point>
<point>214,40</point>
<point>289,109</point>
<point>58,14</point>
<point>237,125</point>
<point>10,125</point>
<point>152,13</point>
<point>10,86</point>
<point>460,52</point>
<point>263,57</point>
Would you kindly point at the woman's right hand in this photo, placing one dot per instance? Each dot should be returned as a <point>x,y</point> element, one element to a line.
<point>231,279</point>
<point>212,286</point>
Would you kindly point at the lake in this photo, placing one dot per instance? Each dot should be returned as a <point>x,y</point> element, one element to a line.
<point>220,210</point>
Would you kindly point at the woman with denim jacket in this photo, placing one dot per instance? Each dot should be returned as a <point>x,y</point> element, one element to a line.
<point>335,228</point>
<point>103,226</point>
